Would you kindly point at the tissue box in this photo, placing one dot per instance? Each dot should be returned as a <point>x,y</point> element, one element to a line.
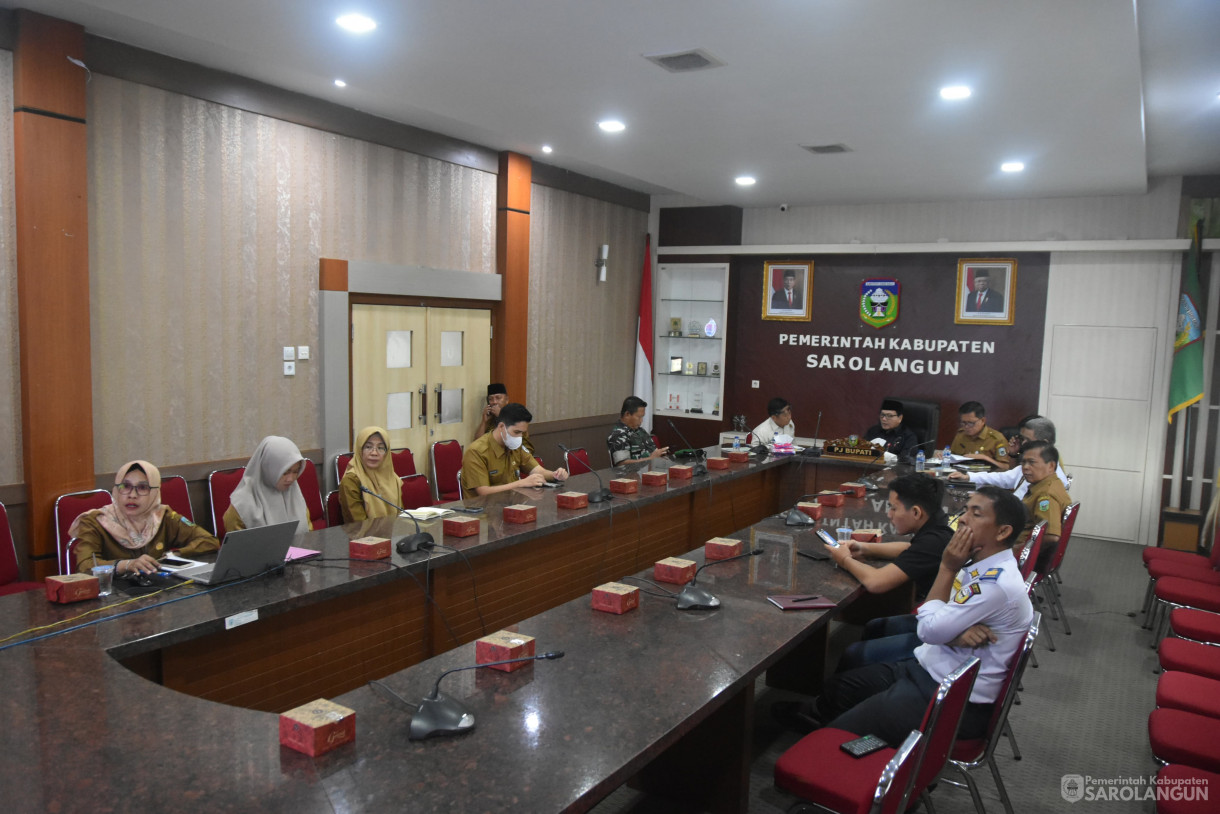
<point>615,597</point>
<point>460,526</point>
<point>520,513</point>
<point>317,727</point>
<point>866,535</point>
<point>813,509</point>
<point>856,489</point>
<point>624,486</point>
<point>369,548</point>
<point>572,500</point>
<point>717,463</point>
<point>71,588</point>
<point>655,478</point>
<point>739,456</point>
<point>674,571</point>
<point>681,472</point>
<point>831,498</point>
<point>504,644</point>
<point>721,548</point>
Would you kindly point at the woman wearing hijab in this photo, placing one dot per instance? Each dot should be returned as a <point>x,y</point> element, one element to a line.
<point>136,530</point>
<point>268,493</point>
<point>372,469</point>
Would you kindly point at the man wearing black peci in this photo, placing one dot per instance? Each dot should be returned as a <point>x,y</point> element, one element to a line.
<point>895,435</point>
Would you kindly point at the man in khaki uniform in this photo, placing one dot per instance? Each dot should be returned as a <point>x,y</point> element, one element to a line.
<point>976,440</point>
<point>1046,498</point>
<point>491,464</point>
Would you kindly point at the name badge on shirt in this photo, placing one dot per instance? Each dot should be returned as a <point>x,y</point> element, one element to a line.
<point>493,472</point>
<point>963,596</point>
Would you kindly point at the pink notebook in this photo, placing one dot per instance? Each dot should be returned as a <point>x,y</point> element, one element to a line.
<point>295,553</point>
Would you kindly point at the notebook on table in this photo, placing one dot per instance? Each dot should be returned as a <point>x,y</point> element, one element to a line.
<point>245,553</point>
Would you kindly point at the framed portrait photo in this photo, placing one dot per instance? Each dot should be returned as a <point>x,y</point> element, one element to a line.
<point>787,291</point>
<point>986,288</point>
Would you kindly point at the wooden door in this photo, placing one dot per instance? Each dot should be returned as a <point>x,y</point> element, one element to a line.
<point>459,367</point>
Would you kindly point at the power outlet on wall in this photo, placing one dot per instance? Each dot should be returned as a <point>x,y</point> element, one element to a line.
<point>754,383</point>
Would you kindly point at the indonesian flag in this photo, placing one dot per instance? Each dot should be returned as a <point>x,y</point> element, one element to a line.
<point>643,341</point>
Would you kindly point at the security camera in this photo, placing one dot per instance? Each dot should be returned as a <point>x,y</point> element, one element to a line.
<point>783,207</point>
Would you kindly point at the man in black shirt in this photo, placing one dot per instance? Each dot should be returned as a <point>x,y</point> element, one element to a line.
<point>897,438</point>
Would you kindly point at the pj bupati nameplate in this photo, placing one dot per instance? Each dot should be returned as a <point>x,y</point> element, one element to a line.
<point>843,448</point>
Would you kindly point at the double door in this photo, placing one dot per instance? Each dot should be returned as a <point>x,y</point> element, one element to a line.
<point>419,372</point>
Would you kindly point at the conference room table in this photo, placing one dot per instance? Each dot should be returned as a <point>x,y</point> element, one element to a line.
<point>170,702</point>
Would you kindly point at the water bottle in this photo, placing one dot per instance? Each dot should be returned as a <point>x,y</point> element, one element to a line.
<point>736,442</point>
<point>921,461</point>
<point>944,460</point>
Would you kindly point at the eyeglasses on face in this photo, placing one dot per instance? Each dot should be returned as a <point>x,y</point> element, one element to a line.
<point>967,424</point>
<point>142,488</point>
<point>889,415</point>
<point>374,448</point>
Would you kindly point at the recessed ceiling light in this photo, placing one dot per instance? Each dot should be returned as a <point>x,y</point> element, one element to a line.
<point>339,83</point>
<point>1012,166</point>
<point>546,148</point>
<point>612,126</point>
<point>356,23</point>
<point>954,92</point>
<point>745,180</point>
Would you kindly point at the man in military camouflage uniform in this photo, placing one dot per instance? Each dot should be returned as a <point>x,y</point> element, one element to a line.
<point>629,442</point>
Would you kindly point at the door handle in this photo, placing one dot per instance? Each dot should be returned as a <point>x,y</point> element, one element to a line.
<point>423,405</point>
<point>437,415</point>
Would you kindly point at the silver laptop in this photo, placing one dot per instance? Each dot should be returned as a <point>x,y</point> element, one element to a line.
<point>245,553</point>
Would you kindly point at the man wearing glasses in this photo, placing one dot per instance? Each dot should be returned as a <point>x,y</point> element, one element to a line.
<point>893,434</point>
<point>779,423</point>
<point>976,440</point>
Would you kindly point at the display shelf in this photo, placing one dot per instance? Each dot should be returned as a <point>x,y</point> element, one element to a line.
<point>690,293</point>
<point>702,338</point>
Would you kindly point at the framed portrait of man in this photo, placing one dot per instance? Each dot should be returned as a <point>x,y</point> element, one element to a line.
<point>787,291</point>
<point>986,288</point>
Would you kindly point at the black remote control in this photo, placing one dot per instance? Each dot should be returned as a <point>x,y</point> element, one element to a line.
<point>863,746</point>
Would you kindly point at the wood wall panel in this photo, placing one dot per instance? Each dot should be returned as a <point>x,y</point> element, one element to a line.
<point>10,360</point>
<point>43,78</point>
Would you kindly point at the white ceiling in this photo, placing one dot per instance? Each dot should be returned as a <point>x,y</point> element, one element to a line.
<point>1092,96</point>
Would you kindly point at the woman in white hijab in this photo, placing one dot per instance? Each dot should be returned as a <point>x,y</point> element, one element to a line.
<point>268,493</point>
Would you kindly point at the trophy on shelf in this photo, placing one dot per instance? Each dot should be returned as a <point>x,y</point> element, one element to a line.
<point>702,368</point>
<point>690,369</point>
<point>675,326</point>
<point>739,424</point>
<point>716,371</point>
<point>696,403</point>
<point>693,328</point>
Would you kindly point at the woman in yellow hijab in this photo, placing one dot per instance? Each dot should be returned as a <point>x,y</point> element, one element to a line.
<point>372,469</point>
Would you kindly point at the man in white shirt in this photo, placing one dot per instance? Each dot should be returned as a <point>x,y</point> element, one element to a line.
<point>779,423</point>
<point>978,609</point>
<point>1033,428</point>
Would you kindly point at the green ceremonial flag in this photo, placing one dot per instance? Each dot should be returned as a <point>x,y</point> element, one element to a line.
<point>1186,380</point>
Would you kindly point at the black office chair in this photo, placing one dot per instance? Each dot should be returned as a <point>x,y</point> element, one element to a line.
<point>921,417</point>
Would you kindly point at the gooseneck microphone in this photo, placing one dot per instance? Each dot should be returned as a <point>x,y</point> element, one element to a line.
<point>692,597</point>
<point>700,466</point>
<point>602,494</point>
<point>411,542</point>
<point>814,450</point>
<point>438,714</point>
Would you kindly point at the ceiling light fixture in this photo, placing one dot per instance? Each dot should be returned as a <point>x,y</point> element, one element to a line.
<point>546,148</point>
<point>1012,166</point>
<point>612,126</point>
<point>339,83</point>
<point>745,180</point>
<point>955,92</point>
<point>356,23</point>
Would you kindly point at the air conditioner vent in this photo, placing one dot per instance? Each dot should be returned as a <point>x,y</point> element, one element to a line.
<point>826,149</point>
<point>684,61</point>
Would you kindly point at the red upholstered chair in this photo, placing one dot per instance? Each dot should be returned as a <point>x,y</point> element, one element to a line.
<point>968,755</point>
<point>817,770</point>
<point>1192,783</point>
<point>1189,693</point>
<point>10,574</point>
<point>175,495</point>
<point>883,793</point>
<point>1195,625</point>
<point>1172,563</point>
<point>1185,738</point>
<point>334,515</point>
<point>404,462</point>
<point>1177,592</point>
<point>221,484</point>
<point>1029,554</point>
<point>307,482</point>
<point>67,508</point>
<point>446,461</point>
<point>341,462</point>
<point>578,458</point>
<point>1049,582</point>
<point>416,492</point>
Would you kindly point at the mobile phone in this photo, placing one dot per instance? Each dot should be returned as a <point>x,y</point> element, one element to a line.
<point>174,562</point>
<point>469,509</point>
<point>863,746</point>
<point>825,537</point>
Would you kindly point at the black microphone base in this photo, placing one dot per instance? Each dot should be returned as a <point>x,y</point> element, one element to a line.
<point>414,542</point>
<point>600,495</point>
<point>796,517</point>
<point>439,716</point>
<point>692,597</point>
<point>699,469</point>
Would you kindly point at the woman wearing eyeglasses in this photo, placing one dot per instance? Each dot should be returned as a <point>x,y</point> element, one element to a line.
<point>268,493</point>
<point>136,530</point>
<point>371,468</point>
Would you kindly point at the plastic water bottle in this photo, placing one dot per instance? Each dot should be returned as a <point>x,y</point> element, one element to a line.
<point>736,442</point>
<point>944,460</point>
<point>921,461</point>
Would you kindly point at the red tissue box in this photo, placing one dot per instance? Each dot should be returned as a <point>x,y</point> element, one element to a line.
<point>369,548</point>
<point>856,489</point>
<point>615,597</point>
<point>520,513</point>
<point>681,472</point>
<point>572,500</point>
<point>721,548</point>
<point>501,645</point>
<point>71,588</point>
<point>317,727</point>
<point>813,509</point>
<point>866,535</point>
<point>624,486</point>
<point>461,526</point>
<point>653,478</point>
<point>739,456</point>
<point>717,463</point>
<point>831,498</point>
<point>674,571</point>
